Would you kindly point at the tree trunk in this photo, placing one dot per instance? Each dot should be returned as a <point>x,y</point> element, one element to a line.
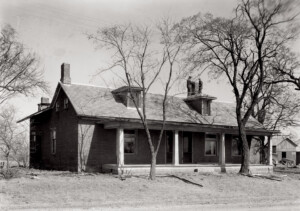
<point>153,166</point>
<point>245,151</point>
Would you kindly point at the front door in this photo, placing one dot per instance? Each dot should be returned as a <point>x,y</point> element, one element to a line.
<point>169,143</point>
<point>283,155</point>
<point>187,147</point>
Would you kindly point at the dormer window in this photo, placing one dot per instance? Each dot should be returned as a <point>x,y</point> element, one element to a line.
<point>123,95</point>
<point>133,98</point>
<point>206,107</point>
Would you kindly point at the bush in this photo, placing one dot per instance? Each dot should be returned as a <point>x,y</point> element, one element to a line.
<point>9,173</point>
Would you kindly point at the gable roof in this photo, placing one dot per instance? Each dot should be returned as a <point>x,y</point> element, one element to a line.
<point>99,102</point>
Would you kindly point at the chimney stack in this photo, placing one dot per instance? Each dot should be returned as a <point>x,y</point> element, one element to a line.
<point>44,103</point>
<point>65,74</point>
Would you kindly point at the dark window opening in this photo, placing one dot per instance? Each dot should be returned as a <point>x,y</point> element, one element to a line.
<point>211,144</point>
<point>129,141</point>
<point>236,149</point>
<point>53,141</point>
<point>274,149</point>
<point>283,154</point>
<point>169,142</point>
<point>66,103</point>
<point>187,147</point>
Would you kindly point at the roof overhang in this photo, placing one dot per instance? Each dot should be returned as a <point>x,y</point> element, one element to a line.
<point>34,114</point>
<point>113,123</point>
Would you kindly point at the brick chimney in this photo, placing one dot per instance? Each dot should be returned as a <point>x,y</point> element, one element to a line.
<point>196,100</point>
<point>65,74</point>
<point>44,103</point>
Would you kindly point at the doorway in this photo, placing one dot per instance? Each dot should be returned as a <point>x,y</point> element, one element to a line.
<point>187,147</point>
<point>169,147</point>
<point>283,155</point>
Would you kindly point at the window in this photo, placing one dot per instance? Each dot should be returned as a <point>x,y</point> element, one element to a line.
<point>206,107</point>
<point>57,106</point>
<point>53,141</point>
<point>136,97</point>
<point>283,155</point>
<point>129,142</point>
<point>211,144</point>
<point>236,149</point>
<point>274,149</point>
<point>32,142</point>
<point>66,103</point>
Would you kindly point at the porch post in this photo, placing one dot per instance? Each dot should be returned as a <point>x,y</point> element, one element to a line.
<point>222,152</point>
<point>270,162</point>
<point>120,147</point>
<point>176,149</point>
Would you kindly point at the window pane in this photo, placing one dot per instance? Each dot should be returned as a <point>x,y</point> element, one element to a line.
<point>129,141</point>
<point>210,147</point>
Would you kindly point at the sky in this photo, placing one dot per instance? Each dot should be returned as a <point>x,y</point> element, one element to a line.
<point>56,31</point>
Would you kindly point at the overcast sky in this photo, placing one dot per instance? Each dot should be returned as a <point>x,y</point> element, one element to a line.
<point>55,31</point>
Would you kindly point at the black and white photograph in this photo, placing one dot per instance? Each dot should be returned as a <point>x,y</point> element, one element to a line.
<point>150,105</point>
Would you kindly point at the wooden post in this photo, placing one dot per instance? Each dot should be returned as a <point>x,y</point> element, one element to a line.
<point>222,152</point>
<point>270,158</point>
<point>120,147</point>
<point>176,149</point>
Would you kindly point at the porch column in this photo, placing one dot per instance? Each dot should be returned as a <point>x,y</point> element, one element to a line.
<point>222,152</point>
<point>176,149</point>
<point>120,147</point>
<point>270,162</point>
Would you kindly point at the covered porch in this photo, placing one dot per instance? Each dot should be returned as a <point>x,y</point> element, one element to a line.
<point>181,154</point>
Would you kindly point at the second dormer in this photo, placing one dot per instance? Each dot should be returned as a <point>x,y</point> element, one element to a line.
<point>128,95</point>
<point>196,100</point>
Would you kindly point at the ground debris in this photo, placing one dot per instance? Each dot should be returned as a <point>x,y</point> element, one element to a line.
<point>184,179</point>
<point>270,177</point>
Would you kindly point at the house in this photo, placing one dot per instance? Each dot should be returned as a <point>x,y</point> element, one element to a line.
<point>286,148</point>
<point>98,129</point>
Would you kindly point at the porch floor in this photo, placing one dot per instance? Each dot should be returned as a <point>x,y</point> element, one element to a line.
<point>143,169</point>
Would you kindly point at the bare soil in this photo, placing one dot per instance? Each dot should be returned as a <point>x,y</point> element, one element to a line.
<point>35,189</point>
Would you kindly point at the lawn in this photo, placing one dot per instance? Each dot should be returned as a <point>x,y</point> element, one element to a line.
<point>58,189</point>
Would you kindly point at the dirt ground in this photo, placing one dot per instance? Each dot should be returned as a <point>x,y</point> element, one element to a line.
<point>71,191</point>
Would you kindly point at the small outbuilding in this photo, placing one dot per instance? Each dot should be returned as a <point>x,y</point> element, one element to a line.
<point>287,148</point>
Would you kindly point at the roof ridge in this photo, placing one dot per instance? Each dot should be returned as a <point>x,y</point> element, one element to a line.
<point>97,86</point>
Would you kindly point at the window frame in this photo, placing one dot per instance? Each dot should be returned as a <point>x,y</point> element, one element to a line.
<point>134,135</point>
<point>66,103</point>
<point>211,140</point>
<point>137,96</point>
<point>53,138</point>
<point>237,144</point>
<point>33,142</point>
<point>57,106</point>
<point>274,151</point>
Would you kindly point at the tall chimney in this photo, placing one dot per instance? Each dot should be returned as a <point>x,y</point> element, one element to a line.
<point>65,73</point>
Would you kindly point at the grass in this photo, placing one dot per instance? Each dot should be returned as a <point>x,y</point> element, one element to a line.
<point>58,189</point>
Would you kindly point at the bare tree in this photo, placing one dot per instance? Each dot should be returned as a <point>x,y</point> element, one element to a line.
<point>144,62</point>
<point>278,108</point>
<point>13,141</point>
<point>243,48</point>
<point>19,73</point>
<point>84,136</point>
